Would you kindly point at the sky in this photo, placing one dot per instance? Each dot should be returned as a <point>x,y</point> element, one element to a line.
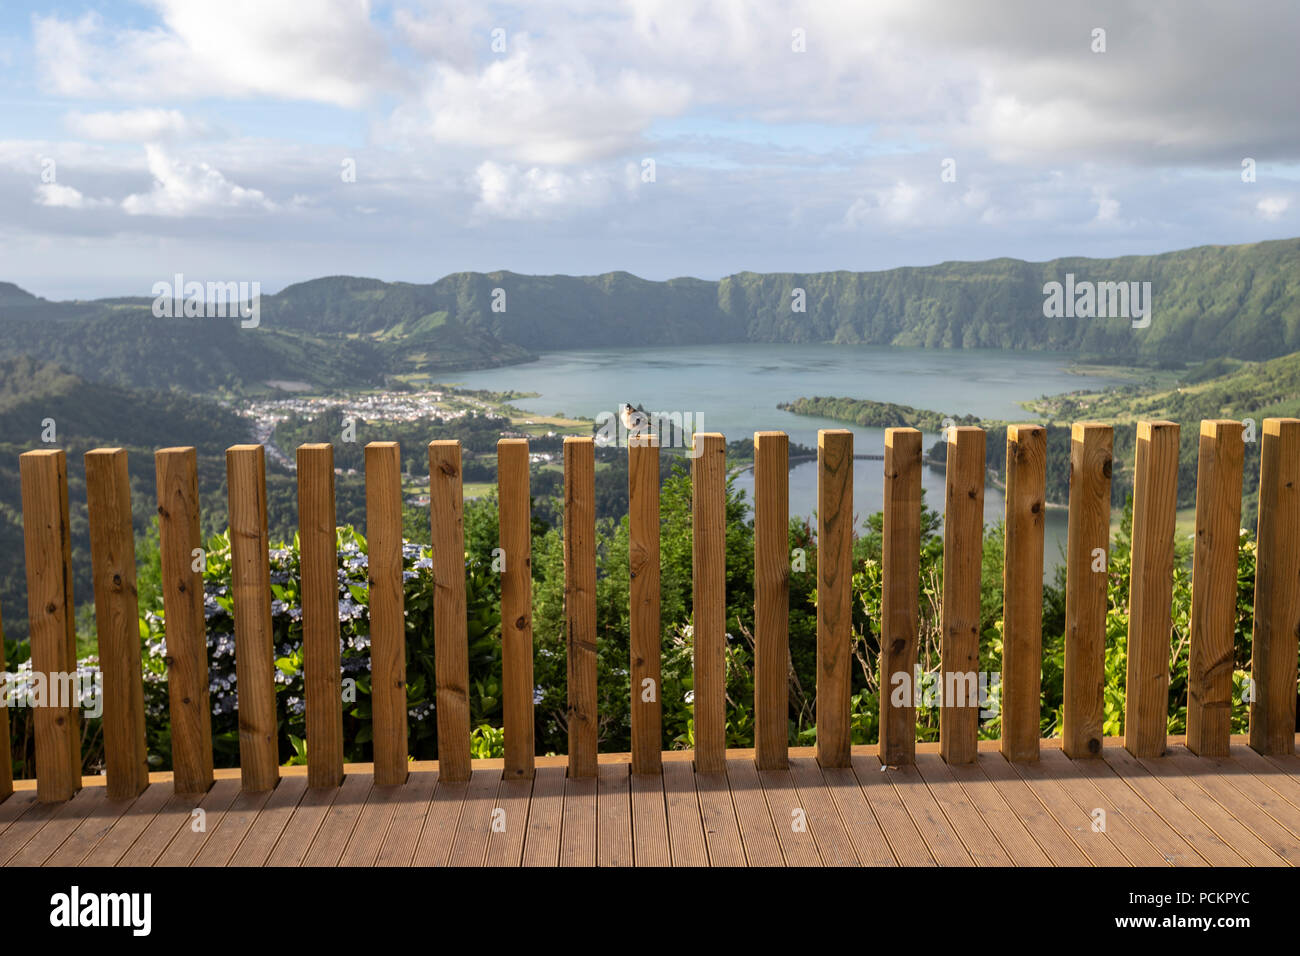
<point>281,140</point>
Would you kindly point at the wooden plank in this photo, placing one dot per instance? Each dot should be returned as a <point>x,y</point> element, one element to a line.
<point>545,818</point>
<point>129,826</point>
<point>182,558</point>
<point>162,829</point>
<point>439,832</point>
<point>117,620</point>
<point>404,831</point>
<point>255,849</point>
<point>189,840</point>
<point>963,549</point>
<point>905,840</point>
<point>823,817</point>
<point>757,828</point>
<point>250,573</point>
<point>789,818</point>
<point>1018,842</point>
<point>292,846</point>
<point>718,818</point>
<point>649,821</point>
<point>580,603</point>
<point>1022,591</point>
<point>1087,561</point>
<point>65,820</point>
<point>96,825</point>
<point>1155,500</point>
<point>771,599</point>
<point>899,612</point>
<point>709,599</point>
<point>944,843</point>
<point>578,828</point>
<point>387,612</point>
<point>1277,590</point>
<point>970,826</point>
<point>1214,587</point>
<point>17,834</point>
<point>1031,812</point>
<point>643,562</point>
<point>450,623</point>
<point>13,808</point>
<point>1097,845</point>
<point>234,825</point>
<point>469,846</point>
<point>1164,802</point>
<point>613,816</point>
<point>1116,795</point>
<point>1286,785</point>
<point>1110,822</point>
<point>863,829</point>
<point>834,595</point>
<point>506,843</point>
<point>319,563</point>
<point>1250,802</point>
<point>516,606</point>
<point>43,476</point>
<point>354,830</point>
<point>685,818</point>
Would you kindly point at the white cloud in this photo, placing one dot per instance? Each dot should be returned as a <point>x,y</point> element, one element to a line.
<point>509,192</point>
<point>58,196</point>
<point>1272,207</point>
<point>185,189</point>
<point>138,125</point>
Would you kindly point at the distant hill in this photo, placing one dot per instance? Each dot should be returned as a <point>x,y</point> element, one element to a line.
<point>1212,301</point>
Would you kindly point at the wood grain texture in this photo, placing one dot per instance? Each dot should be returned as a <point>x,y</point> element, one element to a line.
<point>709,599</point>
<point>516,606</point>
<point>771,599</point>
<point>251,588</point>
<point>319,562</point>
<point>1277,591</point>
<point>1022,591</point>
<point>834,594</point>
<point>1155,501</point>
<point>1214,587</point>
<point>643,560</point>
<point>963,549</point>
<point>117,620</point>
<point>899,610</point>
<point>450,623</point>
<point>180,549</point>
<point>1086,575</point>
<point>43,476</point>
<point>387,611</point>
<point>580,603</point>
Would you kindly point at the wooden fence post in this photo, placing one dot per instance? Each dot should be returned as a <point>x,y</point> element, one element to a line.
<point>259,752</point>
<point>771,600</point>
<point>183,559</point>
<point>1277,590</point>
<point>117,621</point>
<point>319,563</point>
<point>43,476</point>
<point>899,611</point>
<point>6,752</point>
<point>834,595</point>
<point>643,557</point>
<point>1155,502</point>
<point>1022,591</point>
<point>516,605</point>
<point>1086,578</point>
<point>709,599</point>
<point>450,623</point>
<point>387,611</point>
<point>580,602</point>
<point>1214,588</point>
<point>963,550</point>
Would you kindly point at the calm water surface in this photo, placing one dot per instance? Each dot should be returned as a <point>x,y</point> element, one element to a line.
<point>736,388</point>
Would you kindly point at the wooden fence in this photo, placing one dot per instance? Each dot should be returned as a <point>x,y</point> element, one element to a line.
<point>1218,502</point>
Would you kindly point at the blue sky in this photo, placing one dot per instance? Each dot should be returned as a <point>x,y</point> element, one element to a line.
<point>140,138</point>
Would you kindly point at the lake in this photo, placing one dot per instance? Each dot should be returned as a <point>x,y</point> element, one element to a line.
<point>734,389</point>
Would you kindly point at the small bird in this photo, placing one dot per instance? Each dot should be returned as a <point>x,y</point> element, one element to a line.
<point>634,419</point>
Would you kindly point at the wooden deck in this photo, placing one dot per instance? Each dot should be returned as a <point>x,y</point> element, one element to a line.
<point>1175,810</point>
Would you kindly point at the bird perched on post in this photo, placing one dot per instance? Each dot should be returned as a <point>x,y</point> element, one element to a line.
<point>635,420</point>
